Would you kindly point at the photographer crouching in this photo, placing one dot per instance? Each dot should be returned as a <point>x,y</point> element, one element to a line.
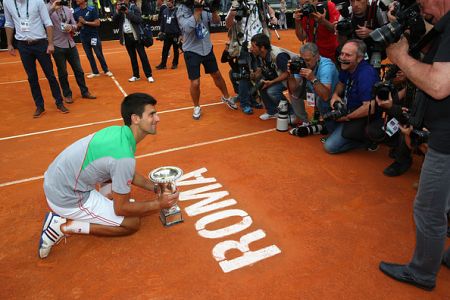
<point>352,102</point>
<point>432,203</point>
<point>271,75</point>
<point>316,78</point>
<point>245,19</point>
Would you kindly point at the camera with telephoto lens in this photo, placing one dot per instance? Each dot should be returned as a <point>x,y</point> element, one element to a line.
<point>123,6</point>
<point>417,136</point>
<point>339,111</point>
<point>382,89</point>
<point>244,73</point>
<point>408,16</point>
<point>345,27</point>
<point>64,2</point>
<point>297,63</point>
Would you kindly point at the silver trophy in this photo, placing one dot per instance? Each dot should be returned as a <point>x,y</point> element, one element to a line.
<point>165,178</point>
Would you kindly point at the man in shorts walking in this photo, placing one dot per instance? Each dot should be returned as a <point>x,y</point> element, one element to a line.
<point>104,158</point>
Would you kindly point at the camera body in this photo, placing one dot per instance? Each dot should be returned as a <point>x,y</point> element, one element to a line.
<point>123,7</point>
<point>297,63</point>
<point>339,111</point>
<point>308,8</point>
<point>345,27</point>
<point>64,2</point>
<point>210,5</point>
<point>382,89</point>
<point>242,11</point>
<point>161,36</point>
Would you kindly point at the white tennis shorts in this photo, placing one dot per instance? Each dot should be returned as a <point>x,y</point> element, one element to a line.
<point>96,210</point>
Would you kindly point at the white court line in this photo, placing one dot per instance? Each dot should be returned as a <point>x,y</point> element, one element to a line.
<point>96,123</point>
<point>119,86</point>
<point>157,153</point>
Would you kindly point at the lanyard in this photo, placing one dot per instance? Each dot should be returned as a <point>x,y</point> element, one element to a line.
<point>17,9</point>
<point>314,35</point>
<point>61,17</point>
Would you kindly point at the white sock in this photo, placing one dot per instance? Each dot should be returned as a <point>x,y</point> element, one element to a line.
<point>77,227</point>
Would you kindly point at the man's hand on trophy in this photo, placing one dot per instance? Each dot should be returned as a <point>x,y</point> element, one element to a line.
<point>168,200</point>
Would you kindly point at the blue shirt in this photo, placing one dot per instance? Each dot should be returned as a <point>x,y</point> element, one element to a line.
<point>358,85</point>
<point>326,73</point>
<point>188,26</point>
<point>89,14</point>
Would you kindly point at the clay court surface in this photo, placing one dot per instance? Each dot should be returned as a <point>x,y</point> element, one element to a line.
<point>320,223</point>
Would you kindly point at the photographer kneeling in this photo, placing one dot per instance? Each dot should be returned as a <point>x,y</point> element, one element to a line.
<point>321,78</point>
<point>271,75</point>
<point>352,99</point>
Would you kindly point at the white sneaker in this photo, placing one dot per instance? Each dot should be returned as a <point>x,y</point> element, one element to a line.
<point>51,233</point>
<point>109,73</point>
<point>197,112</point>
<point>133,79</point>
<point>266,116</point>
<point>229,102</point>
<point>150,79</point>
<point>92,75</point>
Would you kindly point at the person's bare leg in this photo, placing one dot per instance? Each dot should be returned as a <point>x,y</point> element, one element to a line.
<point>195,91</point>
<point>129,226</point>
<point>220,83</point>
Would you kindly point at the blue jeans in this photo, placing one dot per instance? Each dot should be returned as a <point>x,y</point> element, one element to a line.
<point>271,97</point>
<point>335,143</point>
<point>86,41</point>
<point>62,56</point>
<point>29,54</point>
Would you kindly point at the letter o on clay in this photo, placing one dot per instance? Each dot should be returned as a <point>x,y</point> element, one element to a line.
<point>229,230</point>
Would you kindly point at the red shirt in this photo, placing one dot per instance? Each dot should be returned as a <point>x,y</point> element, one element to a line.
<point>326,41</point>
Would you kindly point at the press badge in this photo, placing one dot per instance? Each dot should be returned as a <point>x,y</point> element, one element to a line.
<point>93,41</point>
<point>25,25</point>
<point>169,20</point>
<point>63,26</point>
<point>392,127</point>
<point>310,99</point>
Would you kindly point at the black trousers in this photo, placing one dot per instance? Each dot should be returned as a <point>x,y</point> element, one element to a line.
<point>132,46</point>
<point>62,56</point>
<point>29,53</point>
<point>170,40</point>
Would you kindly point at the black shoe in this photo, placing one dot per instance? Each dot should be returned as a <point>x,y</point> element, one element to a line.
<point>160,67</point>
<point>397,169</point>
<point>174,67</point>
<point>257,105</point>
<point>372,147</point>
<point>62,108</point>
<point>39,112</point>
<point>89,96</point>
<point>401,273</point>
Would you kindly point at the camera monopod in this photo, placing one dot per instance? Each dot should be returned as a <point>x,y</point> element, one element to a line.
<point>272,26</point>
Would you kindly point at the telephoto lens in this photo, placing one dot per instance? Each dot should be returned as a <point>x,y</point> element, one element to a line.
<point>282,119</point>
<point>308,130</point>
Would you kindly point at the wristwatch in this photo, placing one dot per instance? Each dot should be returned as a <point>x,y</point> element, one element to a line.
<point>315,81</point>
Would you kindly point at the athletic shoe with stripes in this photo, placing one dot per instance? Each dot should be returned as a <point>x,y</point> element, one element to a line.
<point>51,233</point>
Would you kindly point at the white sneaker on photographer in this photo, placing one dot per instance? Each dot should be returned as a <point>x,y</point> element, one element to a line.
<point>266,116</point>
<point>133,79</point>
<point>92,75</point>
<point>150,79</point>
<point>197,112</point>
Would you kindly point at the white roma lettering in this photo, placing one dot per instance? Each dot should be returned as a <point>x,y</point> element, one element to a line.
<point>219,233</point>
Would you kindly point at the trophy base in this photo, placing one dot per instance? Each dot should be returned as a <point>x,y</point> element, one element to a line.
<point>171,216</point>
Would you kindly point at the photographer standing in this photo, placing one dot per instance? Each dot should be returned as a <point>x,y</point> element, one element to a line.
<point>198,50</point>
<point>128,17</point>
<point>352,99</point>
<point>66,50</point>
<point>314,22</point>
<point>432,203</point>
<point>170,33</point>
<point>364,19</point>
<point>245,19</point>
<point>88,23</point>
<point>321,78</point>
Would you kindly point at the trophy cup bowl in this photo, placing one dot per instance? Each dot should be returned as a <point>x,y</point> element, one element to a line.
<point>165,178</point>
